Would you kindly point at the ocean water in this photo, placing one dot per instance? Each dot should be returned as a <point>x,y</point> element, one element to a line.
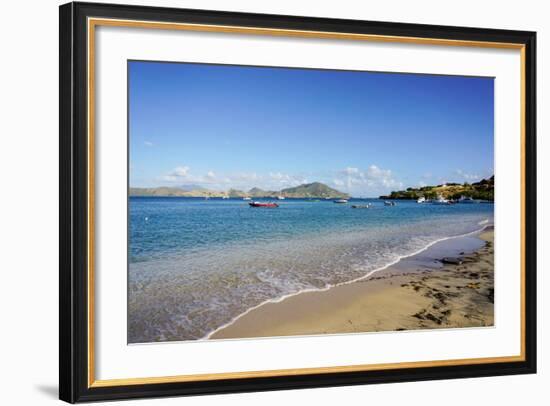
<point>195,265</point>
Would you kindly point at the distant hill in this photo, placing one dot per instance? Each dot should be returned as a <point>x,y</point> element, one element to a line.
<point>315,189</point>
<point>483,190</point>
<point>310,190</point>
<point>189,188</point>
<point>236,193</point>
<point>174,191</point>
<point>157,191</point>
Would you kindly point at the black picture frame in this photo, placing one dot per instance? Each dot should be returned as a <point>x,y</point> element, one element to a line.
<point>74,385</point>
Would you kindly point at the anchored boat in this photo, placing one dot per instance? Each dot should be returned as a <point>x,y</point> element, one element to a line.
<point>466,200</point>
<point>441,200</point>
<point>260,204</point>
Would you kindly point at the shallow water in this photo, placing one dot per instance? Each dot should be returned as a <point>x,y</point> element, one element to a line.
<point>197,264</point>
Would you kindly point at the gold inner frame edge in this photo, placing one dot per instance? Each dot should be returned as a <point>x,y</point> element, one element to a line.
<point>94,22</point>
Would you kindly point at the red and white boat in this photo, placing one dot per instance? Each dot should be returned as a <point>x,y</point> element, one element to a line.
<point>260,204</point>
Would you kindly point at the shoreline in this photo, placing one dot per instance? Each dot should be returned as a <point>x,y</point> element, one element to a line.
<point>414,292</point>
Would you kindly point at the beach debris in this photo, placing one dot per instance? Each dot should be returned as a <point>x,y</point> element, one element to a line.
<point>420,314</point>
<point>433,318</point>
<point>425,315</point>
<point>441,297</point>
<point>452,261</point>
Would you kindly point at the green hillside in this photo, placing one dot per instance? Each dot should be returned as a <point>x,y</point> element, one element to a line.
<point>315,190</point>
<point>482,190</point>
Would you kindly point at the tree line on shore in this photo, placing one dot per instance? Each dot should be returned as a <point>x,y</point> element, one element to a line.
<point>482,190</point>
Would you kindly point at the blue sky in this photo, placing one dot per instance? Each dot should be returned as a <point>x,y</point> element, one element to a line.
<point>365,133</point>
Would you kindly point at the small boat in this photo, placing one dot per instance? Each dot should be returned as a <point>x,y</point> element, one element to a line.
<point>421,199</point>
<point>441,201</point>
<point>247,198</point>
<point>280,198</point>
<point>260,204</point>
<point>341,201</point>
<point>466,200</point>
<point>361,206</point>
<point>225,197</point>
<point>389,203</point>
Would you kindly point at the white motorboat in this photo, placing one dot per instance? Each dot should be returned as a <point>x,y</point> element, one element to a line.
<point>421,199</point>
<point>361,206</point>
<point>441,200</point>
<point>466,200</point>
<point>341,201</point>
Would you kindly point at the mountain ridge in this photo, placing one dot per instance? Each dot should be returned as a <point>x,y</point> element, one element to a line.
<point>306,190</point>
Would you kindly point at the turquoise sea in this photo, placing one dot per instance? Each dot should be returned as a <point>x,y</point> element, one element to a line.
<point>195,264</point>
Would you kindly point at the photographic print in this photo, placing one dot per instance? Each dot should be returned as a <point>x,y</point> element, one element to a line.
<point>273,201</point>
<point>267,196</point>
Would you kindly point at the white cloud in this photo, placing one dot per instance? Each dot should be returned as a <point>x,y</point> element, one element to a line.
<point>180,172</point>
<point>467,176</point>
<point>279,180</point>
<point>148,143</point>
<point>351,171</point>
<point>211,180</point>
<point>369,182</point>
<point>245,176</point>
<point>277,176</point>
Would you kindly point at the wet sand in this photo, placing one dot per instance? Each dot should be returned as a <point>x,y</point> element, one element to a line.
<point>419,292</point>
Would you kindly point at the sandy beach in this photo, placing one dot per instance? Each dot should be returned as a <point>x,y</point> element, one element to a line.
<point>419,292</point>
